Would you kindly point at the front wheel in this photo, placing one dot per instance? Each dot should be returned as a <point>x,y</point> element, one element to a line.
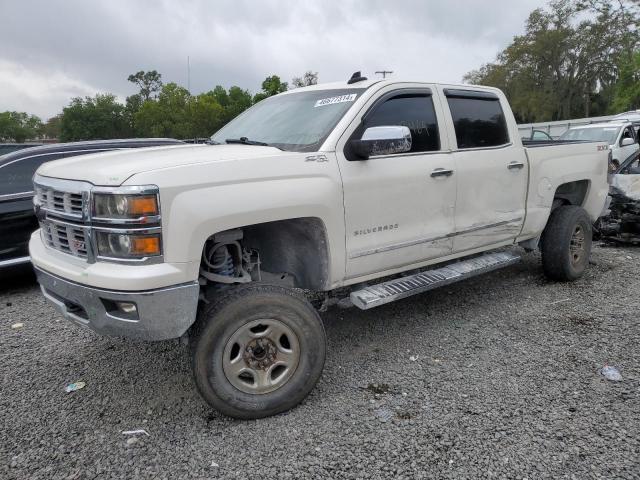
<point>566,243</point>
<point>258,351</point>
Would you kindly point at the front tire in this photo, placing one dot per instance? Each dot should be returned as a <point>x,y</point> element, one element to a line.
<point>566,243</point>
<point>257,351</point>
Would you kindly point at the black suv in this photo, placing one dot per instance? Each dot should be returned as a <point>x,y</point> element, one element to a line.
<point>14,147</point>
<point>17,219</point>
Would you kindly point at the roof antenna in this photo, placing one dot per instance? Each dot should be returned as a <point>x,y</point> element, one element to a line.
<point>384,73</point>
<point>356,77</point>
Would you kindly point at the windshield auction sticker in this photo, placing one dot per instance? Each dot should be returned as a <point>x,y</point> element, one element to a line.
<point>339,99</point>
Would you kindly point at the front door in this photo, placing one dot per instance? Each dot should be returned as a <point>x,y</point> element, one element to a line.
<point>399,209</point>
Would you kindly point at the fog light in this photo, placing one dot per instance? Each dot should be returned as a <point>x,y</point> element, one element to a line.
<point>127,307</point>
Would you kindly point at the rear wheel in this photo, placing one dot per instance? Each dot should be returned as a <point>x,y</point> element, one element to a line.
<point>566,243</point>
<point>258,351</point>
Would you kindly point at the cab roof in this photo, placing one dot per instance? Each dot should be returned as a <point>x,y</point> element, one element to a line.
<point>633,114</point>
<point>382,83</point>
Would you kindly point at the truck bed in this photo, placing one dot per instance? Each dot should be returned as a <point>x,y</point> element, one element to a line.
<point>546,143</point>
<point>565,163</point>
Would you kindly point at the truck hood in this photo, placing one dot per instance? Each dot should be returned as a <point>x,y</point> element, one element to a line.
<point>115,167</point>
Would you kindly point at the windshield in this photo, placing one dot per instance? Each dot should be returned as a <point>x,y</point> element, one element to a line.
<point>594,134</point>
<point>295,122</point>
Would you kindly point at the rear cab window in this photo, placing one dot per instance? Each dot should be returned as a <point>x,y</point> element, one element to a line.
<point>478,119</point>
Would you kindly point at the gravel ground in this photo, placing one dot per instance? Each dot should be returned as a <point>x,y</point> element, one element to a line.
<point>495,377</point>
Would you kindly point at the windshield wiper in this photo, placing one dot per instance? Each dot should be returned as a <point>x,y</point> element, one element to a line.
<point>246,141</point>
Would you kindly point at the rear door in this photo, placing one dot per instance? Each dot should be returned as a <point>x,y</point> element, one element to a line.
<point>491,167</point>
<point>399,209</point>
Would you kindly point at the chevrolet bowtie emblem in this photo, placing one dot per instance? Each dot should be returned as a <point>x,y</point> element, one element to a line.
<point>40,214</point>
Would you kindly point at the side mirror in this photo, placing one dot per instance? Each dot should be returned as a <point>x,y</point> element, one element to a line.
<point>627,142</point>
<point>382,141</point>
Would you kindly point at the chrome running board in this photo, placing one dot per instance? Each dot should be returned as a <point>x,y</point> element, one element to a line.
<point>398,288</point>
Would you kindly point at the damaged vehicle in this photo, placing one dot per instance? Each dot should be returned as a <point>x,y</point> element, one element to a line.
<point>622,224</point>
<point>620,134</point>
<point>375,189</point>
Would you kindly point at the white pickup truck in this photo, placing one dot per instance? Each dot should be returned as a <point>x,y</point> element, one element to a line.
<point>620,135</point>
<point>315,189</point>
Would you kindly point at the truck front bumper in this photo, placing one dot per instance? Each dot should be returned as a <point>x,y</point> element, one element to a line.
<point>157,314</point>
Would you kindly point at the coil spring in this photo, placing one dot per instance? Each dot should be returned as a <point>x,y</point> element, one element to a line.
<point>221,262</point>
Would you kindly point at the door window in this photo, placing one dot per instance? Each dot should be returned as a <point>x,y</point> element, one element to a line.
<point>540,135</point>
<point>627,133</point>
<point>478,122</point>
<point>414,111</point>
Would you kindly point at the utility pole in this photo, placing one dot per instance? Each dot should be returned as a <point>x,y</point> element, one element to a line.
<point>384,73</point>
<point>188,75</point>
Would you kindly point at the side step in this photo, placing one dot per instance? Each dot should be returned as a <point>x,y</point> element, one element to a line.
<point>398,288</point>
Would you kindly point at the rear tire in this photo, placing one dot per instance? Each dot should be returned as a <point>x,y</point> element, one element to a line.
<point>566,243</point>
<point>257,351</point>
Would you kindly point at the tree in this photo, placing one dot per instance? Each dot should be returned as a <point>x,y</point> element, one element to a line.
<point>564,65</point>
<point>207,115</point>
<point>149,83</point>
<point>18,126</point>
<point>622,18</point>
<point>133,104</point>
<point>233,102</point>
<point>221,95</point>
<point>51,128</point>
<point>93,118</point>
<point>309,78</point>
<point>158,110</point>
<point>239,101</point>
<point>270,86</point>
<point>627,89</point>
<point>167,116</point>
<point>178,114</point>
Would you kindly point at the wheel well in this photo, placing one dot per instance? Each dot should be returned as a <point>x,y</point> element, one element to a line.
<point>297,247</point>
<point>571,193</point>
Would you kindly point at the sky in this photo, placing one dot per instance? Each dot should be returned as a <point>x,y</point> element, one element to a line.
<point>52,51</point>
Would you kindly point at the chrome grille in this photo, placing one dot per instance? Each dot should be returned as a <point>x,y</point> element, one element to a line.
<point>56,201</point>
<point>62,209</point>
<point>66,238</point>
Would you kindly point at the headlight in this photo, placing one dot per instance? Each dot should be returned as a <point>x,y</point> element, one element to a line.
<point>118,206</point>
<point>128,246</point>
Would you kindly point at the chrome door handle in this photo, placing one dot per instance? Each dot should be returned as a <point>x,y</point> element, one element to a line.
<point>442,172</point>
<point>513,165</point>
